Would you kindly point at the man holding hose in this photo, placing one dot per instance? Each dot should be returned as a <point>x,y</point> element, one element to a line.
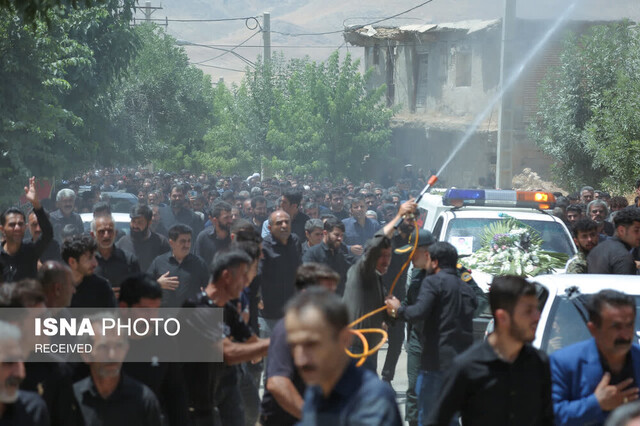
<point>364,290</point>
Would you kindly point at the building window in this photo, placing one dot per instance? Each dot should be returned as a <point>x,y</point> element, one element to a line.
<point>376,55</point>
<point>463,69</point>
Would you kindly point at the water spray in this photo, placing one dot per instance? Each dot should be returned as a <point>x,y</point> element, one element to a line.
<point>433,179</point>
<point>510,82</point>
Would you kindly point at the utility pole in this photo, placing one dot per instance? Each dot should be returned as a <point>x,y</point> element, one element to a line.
<point>266,36</point>
<point>504,148</point>
<point>147,11</point>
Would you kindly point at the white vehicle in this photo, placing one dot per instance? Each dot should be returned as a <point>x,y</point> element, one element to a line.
<point>460,216</point>
<point>122,222</point>
<point>564,317</point>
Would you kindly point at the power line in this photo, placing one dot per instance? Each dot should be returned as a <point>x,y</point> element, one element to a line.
<point>220,68</point>
<point>282,46</point>
<point>232,51</point>
<point>246,18</point>
<point>354,27</point>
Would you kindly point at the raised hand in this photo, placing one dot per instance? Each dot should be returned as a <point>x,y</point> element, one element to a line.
<point>31,194</point>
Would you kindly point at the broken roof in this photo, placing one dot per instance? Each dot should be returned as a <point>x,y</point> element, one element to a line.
<point>363,35</point>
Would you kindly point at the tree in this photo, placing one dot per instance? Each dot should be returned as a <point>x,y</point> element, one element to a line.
<point>164,105</point>
<point>314,118</point>
<point>586,108</point>
<point>53,78</point>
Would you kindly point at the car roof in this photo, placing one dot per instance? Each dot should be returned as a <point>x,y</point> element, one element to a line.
<point>589,283</point>
<point>500,212</point>
<point>118,217</point>
<point>125,195</point>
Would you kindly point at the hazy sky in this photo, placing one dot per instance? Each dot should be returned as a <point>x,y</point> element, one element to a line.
<point>300,16</point>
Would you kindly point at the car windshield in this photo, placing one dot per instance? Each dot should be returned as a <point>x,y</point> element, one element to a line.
<point>121,227</point>
<point>467,232</point>
<point>567,324</point>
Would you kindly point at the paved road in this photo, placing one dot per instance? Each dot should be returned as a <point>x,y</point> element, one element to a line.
<point>400,380</point>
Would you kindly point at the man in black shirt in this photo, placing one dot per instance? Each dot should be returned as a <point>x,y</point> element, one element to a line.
<point>180,273</point>
<point>445,308</point>
<point>165,379</point>
<point>337,204</point>
<point>52,251</point>
<point>290,203</point>
<point>613,256</point>
<point>65,215</point>
<point>277,270</point>
<point>114,264</point>
<point>216,237</point>
<point>502,380</point>
<point>144,243</point>
<point>401,248</point>
<point>283,396</point>
<point>109,396</point>
<point>92,291</point>
<point>259,212</point>
<point>19,259</point>
<point>230,275</point>
<point>17,407</point>
<point>57,285</point>
<point>328,252</point>
<point>179,212</point>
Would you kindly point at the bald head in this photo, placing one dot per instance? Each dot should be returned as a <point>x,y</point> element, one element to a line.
<point>57,283</point>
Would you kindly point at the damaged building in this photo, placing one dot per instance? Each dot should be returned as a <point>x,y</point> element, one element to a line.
<point>440,77</point>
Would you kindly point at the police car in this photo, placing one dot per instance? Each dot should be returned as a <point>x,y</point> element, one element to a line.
<point>459,217</point>
<point>564,317</point>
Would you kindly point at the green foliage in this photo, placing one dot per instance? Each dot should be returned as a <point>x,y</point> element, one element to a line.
<point>588,113</point>
<point>164,105</point>
<point>304,117</point>
<point>55,76</point>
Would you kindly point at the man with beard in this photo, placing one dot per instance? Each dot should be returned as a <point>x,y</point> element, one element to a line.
<point>574,213</point>
<point>144,243</point>
<point>593,377</point>
<point>502,380</point>
<point>215,238</point>
<point>114,264</point>
<point>613,256</point>
<point>179,212</point>
<point>329,252</point>
<point>66,200</point>
<point>445,309</point>
<point>17,407</point>
<point>259,212</point>
<point>92,291</point>
<point>598,211</point>
<point>585,236</point>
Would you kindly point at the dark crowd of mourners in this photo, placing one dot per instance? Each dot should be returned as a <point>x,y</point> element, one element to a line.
<point>292,262</point>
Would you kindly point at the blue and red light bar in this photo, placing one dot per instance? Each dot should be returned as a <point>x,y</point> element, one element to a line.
<point>499,198</point>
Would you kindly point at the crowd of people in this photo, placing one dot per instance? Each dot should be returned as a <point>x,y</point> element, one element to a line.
<point>297,265</point>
